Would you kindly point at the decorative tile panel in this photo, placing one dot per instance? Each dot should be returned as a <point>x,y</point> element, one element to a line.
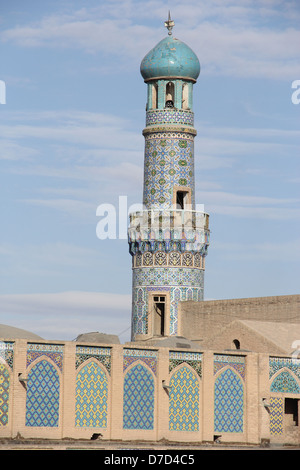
<point>169,162</point>
<point>54,352</point>
<point>167,116</point>
<point>276,416</point>
<point>278,363</point>
<point>236,362</point>
<point>4,394</point>
<point>228,402</point>
<point>184,400</point>
<point>138,398</point>
<point>147,356</point>
<point>102,354</point>
<point>284,382</point>
<point>193,359</point>
<point>91,396</point>
<point>42,400</point>
<point>7,353</point>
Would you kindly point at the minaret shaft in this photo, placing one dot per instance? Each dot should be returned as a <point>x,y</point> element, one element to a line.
<point>168,240</point>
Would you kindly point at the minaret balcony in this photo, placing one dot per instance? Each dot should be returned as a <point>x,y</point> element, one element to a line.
<point>189,227</point>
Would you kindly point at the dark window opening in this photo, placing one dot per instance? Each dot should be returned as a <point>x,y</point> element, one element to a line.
<point>237,344</point>
<point>169,104</point>
<point>181,199</point>
<point>291,411</point>
<point>159,312</point>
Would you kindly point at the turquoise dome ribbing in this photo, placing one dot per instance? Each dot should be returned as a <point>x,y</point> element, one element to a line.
<point>170,58</point>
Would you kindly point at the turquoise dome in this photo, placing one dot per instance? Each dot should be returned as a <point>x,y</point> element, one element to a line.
<point>170,58</point>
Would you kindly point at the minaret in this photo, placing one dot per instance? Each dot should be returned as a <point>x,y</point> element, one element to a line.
<point>168,239</point>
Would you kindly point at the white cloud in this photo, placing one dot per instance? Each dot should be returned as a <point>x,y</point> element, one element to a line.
<point>230,38</point>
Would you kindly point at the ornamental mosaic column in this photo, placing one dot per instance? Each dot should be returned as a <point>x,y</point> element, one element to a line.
<point>168,239</point>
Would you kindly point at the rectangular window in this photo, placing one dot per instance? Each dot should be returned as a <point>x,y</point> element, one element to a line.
<point>159,315</point>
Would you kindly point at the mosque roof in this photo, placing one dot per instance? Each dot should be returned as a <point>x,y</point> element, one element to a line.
<point>11,332</point>
<point>170,58</point>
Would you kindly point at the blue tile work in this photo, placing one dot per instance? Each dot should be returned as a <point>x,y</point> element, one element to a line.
<point>4,394</point>
<point>138,398</point>
<point>42,399</point>
<point>229,393</point>
<point>146,356</point>
<point>174,116</point>
<point>181,283</point>
<point>52,351</point>
<point>276,364</point>
<point>91,399</point>
<point>193,359</point>
<point>284,374</point>
<point>169,162</point>
<point>184,400</point>
<point>102,354</point>
<point>7,353</point>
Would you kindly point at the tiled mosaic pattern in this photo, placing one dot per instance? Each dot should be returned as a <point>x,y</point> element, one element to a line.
<point>103,355</point>
<point>91,396</point>
<point>181,283</point>
<point>278,363</point>
<point>42,400</point>
<point>236,362</point>
<point>228,402</point>
<point>169,116</point>
<point>165,258</point>
<point>284,382</point>
<point>138,399</point>
<point>4,394</point>
<point>7,353</point>
<point>193,359</point>
<point>147,356</point>
<point>184,400</point>
<point>276,415</point>
<point>51,351</point>
<point>169,162</point>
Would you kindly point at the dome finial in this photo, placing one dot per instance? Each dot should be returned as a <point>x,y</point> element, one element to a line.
<point>169,24</point>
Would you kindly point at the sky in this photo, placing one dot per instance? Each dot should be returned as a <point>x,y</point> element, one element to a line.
<point>72,111</point>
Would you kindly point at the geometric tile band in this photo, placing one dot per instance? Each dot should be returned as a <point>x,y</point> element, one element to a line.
<point>184,400</point>
<point>229,402</point>
<point>42,401</point>
<point>91,396</point>
<point>138,401</point>
<point>4,394</point>
<point>276,415</point>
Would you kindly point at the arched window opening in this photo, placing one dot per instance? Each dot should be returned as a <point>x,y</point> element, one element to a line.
<point>236,344</point>
<point>154,96</point>
<point>170,95</point>
<point>185,96</point>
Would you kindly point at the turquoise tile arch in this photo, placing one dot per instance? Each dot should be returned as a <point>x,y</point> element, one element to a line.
<point>91,397</point>
<point>285,382</point>
<point>184,399</point>
<point>138,397</point>
<point>228,402</point>
<point>43,394</point>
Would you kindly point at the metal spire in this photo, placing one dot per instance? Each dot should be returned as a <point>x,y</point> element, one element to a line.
<point>169,24</point>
